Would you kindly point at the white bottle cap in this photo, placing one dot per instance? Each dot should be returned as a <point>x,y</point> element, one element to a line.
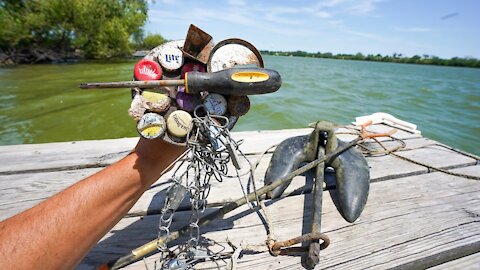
<point>171,58</point>
<point>179,123</point>
<point>151,126</point>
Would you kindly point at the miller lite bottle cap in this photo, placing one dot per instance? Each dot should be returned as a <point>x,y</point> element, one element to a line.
<point>187,102</point>
<point>179,123</point>
<point>151,126</point>
<point>238,105</point>
<point>171,58</point>
<point>146,70</point>
<point>215,104</point>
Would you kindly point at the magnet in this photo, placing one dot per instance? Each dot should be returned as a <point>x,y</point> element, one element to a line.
<point>151,126</point>
<point>179,123</point>
<point>215,104</point>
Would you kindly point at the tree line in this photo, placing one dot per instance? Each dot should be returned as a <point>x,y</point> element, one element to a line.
<point>42,31</point>
<point>394,58</point>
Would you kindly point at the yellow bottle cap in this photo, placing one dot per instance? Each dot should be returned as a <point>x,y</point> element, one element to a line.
<point>154,97</point>
<point>151,126</point>
<point>156,102</point>
<point>179,123</point>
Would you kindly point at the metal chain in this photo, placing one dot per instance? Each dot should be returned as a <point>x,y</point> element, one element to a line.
<point>210,150</point>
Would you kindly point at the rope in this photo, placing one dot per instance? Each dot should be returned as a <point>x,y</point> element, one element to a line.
<point>403,145</point>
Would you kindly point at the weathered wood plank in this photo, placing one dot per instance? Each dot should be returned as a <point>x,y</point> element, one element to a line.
<point>466,263</point>
<point>99,153</point>
<point>404,220</point>
<point>21,191</point>
<point>63,156</point>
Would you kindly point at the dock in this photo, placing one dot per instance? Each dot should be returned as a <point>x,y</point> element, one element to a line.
<point>416,217</point>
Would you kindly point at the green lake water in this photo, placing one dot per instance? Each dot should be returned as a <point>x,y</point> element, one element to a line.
<point>42,103</point>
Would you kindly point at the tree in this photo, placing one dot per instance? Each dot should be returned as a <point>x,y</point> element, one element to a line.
<point>151,41</point>
<point>100,28</point>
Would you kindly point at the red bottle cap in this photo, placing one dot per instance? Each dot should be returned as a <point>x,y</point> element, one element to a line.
<point>192,66</point>
<point>146,70</point>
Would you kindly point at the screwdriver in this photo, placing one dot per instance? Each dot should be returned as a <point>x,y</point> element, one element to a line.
<point>233,81</point>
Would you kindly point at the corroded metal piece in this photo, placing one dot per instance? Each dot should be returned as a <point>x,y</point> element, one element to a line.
<point>233,52</point>
<point>198,44</point>
<point>277,247</point>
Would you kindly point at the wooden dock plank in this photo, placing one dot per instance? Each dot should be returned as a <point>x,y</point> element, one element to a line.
<point>21,191</point>
<point>99,153</point>
<point>471,262</point>
<point>405,220</point>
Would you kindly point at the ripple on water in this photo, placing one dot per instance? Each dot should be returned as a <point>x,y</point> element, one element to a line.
<point>444,102</point>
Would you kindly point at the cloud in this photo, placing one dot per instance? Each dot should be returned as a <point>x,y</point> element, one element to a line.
<point>366,35</point>
<point>364,7</point>
<point>413,29</point>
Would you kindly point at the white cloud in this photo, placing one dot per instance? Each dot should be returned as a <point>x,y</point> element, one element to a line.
<point>413,29</point>
<point>363,7</point>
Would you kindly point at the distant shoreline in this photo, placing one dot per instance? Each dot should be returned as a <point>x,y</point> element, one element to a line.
<point>395,58</point>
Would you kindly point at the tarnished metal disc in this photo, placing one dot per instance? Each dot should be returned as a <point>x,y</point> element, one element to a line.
<point>215,104</point>
<point>233,52</point>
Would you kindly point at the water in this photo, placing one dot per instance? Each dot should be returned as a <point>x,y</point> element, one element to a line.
<point>42,103</point>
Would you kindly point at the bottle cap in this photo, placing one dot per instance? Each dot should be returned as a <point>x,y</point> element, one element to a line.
<point>238,105</point>
<point>171,58</point>
<point>192,66</point>
<point>151,126</point>
<point>179,123</point>
<point>156,102</point>
<point>187,102</point>
<point>146,70</point>
<point>215,104</point>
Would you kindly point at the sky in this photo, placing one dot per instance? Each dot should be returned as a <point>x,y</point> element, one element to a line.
<point>444,28</point>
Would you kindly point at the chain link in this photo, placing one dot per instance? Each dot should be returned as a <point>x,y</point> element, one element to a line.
<point>210,150</point>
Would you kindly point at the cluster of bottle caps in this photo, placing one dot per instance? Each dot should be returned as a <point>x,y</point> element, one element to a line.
<point>167,112</point>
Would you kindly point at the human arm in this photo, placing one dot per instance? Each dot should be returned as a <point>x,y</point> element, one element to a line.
<point>58,233</point>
